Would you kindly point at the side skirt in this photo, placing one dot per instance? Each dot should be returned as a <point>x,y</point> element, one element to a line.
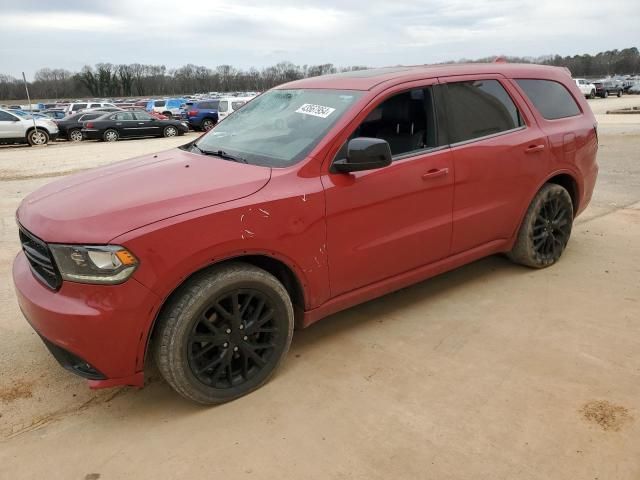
<point>402,280</point>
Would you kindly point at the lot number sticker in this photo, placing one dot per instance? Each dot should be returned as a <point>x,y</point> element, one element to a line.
<point>316,110</point>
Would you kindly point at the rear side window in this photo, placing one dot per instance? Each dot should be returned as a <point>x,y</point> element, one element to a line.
<point>552,99</point>
<point>223,105</point>
<point>479,108</point>
<point>122,116</point>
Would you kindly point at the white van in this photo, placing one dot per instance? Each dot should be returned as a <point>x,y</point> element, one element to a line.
<point>228,105</point>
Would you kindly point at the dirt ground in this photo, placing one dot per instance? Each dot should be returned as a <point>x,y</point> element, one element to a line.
<point>491,371</point>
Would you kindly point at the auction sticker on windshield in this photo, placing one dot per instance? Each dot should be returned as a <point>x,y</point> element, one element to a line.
<point>316,110</point>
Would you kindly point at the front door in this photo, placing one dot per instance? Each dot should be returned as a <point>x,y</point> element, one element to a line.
<point>384,222</point>
<point>10,126</point>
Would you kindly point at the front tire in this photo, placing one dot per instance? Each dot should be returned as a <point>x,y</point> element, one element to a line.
<point>170,131</point>
<point>37,137</point>
<point>605,94</point>
<point>546,228</point>
<point>619,93</point>
<point>111,135</point>
<point>592,94</point>
<point>224,333</point>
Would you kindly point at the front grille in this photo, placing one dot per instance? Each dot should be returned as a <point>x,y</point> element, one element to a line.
<point>40,259</point>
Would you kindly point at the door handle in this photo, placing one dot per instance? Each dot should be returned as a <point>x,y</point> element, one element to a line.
<point>435,173</point>
<point>534,148</point>
<point>140,123</point>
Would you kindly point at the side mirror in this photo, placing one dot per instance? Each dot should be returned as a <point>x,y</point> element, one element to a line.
<point>363,153</point>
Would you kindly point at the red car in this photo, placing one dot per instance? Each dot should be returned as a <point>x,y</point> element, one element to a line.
<point>316,196</point>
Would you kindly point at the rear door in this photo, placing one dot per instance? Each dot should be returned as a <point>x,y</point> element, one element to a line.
<point>499,153</point>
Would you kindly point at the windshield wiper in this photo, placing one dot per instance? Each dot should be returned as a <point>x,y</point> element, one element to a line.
<point>220,153</point>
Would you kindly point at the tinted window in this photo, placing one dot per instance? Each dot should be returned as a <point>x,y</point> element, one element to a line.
<point>406,121</point>
<point>78,106</point>
<point>94,105</point>
<point>89,116</point>
<point>159,103</point>
<point>7,117</point>
<point>212,105</point>
<point>479,108</point>
<point>142,116</point>
<point>552,99</point>
<point>122,116</point>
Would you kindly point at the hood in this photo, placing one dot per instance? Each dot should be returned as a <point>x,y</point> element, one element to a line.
<point>98,205</point>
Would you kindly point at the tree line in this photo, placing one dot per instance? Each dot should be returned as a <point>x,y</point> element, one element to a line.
<point>106,80</point>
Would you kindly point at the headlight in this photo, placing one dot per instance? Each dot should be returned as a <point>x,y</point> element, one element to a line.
<point>109,264</point>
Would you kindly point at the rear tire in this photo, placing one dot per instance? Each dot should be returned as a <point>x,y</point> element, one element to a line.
<point>169,115</point>
<point>207,124</point>
<point>37,137</point>
<point>223,333</point>
<point>592,94</point>
<point>605,94</point>
<point>546,228</point>
<point>111,135</point>
<point>75,135</point>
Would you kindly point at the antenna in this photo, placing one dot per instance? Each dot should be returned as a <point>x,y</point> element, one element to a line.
<point>29,100</point>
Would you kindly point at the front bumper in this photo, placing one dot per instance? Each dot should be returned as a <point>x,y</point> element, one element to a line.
<point>96,331</point>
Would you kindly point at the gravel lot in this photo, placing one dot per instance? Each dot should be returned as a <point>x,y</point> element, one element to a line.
<point>490,371</point>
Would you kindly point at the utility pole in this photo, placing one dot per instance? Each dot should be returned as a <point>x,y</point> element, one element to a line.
<point>29,100</point>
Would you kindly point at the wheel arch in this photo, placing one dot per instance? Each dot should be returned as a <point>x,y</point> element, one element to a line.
<point>277,267</point>
<point>569,183</point>
<point>32,128</point>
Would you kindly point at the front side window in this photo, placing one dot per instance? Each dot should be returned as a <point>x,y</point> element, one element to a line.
<point>280,127</point>
<point>406,121</point>
<point>550,98</point>
<point>7,117</point>
<point>479,108</point>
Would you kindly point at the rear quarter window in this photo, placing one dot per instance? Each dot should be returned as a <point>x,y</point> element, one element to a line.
<point>551,99</point>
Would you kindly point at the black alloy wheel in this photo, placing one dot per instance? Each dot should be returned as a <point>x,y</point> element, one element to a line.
<point>546,228</point>
<point>224,332</point>
<point>233,339</point>
<point>552,228</point>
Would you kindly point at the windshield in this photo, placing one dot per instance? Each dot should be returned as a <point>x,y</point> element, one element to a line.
<point>280,127</point>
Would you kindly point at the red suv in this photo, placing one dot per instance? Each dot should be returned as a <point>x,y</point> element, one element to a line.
<point>316,196</point>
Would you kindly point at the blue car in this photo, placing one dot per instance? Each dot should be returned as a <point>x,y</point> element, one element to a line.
<point>201,114</point>
<point>169,107</point>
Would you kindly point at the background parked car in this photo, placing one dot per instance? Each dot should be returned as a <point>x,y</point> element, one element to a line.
<point>228,105</point>
<point>113,126</point>
<point>201,115</point>
<point>168,107</point>
<point>70,127</point>
<point>20,129</point>
<point>604,88</point>
<point>587,88</point>
<point>76,107</point>
<point>55,113</point>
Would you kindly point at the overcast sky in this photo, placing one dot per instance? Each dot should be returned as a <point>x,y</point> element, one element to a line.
<point>72,33</point>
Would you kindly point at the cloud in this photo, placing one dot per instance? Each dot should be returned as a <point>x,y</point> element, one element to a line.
<point>72,33</point>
